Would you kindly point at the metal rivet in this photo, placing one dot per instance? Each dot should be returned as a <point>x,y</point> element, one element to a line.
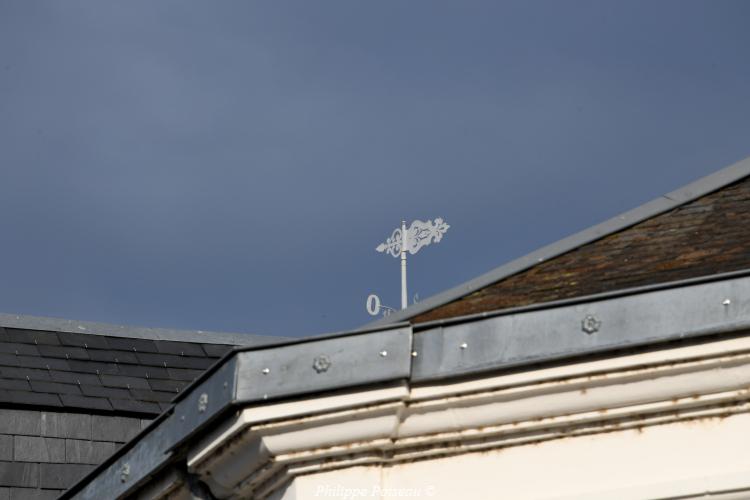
<point>124,472</point>
<point>590,324</point>
<point>464,345</point>
<point>226,384</point>
<point>322,363</point>
<point>266,371</point>
<point>726,302</point>
<point>203,402</point>
<point>265,396</point>
<point>414,354</point>
<point>383,353</point>
<point>182,418</point>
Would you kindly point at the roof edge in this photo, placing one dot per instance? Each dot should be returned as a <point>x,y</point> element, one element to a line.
<point>664,203</point>
<point>135,332</point>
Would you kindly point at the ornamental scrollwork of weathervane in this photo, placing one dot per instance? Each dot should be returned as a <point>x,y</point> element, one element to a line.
<point>403,241</point>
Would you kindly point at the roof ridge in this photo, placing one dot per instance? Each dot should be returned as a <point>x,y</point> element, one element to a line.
<point>664,203</point>
<point>138,332</point>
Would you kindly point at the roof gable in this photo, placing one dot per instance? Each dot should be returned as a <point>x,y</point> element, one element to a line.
<point>697,230</point>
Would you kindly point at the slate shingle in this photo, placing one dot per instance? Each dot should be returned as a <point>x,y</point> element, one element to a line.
<point>29,398</point>
<point>117,429</point>
<point>73,401</point>
<point>66,425</point>
<point>83,340</point>
<point>86,371</point>
<point>6,448</point>
<point>19,474</point>
<point>104,392</point>
<point>36,337</point>
<point>54,387</point>
<point>38,449</point>
<point>135,406</point>
<point>93,367</point>
<point>15,384</point>
<point>112,356</point>
<point>131,345</point>
<point>26,422</point>
<point>19,349</point>
<point>62,475</point>
<point>183,374</point>
<point>33,494</point>
<point>167,385</point>
<point>172,361</point>
<point>66,352</point>
<point>144,371</point>
<point>78,451</point>
<point>124,382</point>
<point>180,348</point>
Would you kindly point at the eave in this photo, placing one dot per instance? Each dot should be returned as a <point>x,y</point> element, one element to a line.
<point>382,382</point>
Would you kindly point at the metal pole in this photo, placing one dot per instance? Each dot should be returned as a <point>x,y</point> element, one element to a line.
<point>404,243</point>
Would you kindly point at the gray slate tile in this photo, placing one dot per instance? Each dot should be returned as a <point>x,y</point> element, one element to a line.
<point>54,387</point>
<point>135,406</point>
<point>6,448</point>
<point>87,452</point>
<point>83,340</point>
<point>20,422</point>
<point>36,337</point>
<point>74,401</point>
<point>38,449</point>
<point>179,348</point>
<point>62,475</point>
<point>29,398</point>
<point>33,494</point>
<point>19,474</point>
<point>118,429</point>
<point>124,382</point>
<point>66,425</point>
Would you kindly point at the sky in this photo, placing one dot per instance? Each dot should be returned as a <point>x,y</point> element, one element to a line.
<point>232,165</point>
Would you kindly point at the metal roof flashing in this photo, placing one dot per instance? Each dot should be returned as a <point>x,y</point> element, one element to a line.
<point>669,201</point>
<point>471,347</point>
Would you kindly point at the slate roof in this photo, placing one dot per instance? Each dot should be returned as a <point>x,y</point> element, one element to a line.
<point>98,368</point>
<point>698,230</point>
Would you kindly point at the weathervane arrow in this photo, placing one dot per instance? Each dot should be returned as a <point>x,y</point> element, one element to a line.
<point>412,240</point>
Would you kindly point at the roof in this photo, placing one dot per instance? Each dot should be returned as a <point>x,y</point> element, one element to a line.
<point>101,368</point>
<point>670,201</point>
<point>678,312</point>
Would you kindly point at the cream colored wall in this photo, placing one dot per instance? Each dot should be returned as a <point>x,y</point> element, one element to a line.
<point>665,461</point>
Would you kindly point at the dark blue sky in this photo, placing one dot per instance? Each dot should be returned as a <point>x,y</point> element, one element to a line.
<point>232,165</point>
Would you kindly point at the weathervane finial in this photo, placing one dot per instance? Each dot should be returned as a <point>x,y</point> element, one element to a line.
<point>412,240</point>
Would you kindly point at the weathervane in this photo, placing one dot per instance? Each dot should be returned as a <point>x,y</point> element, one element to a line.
<point>403,240</point>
